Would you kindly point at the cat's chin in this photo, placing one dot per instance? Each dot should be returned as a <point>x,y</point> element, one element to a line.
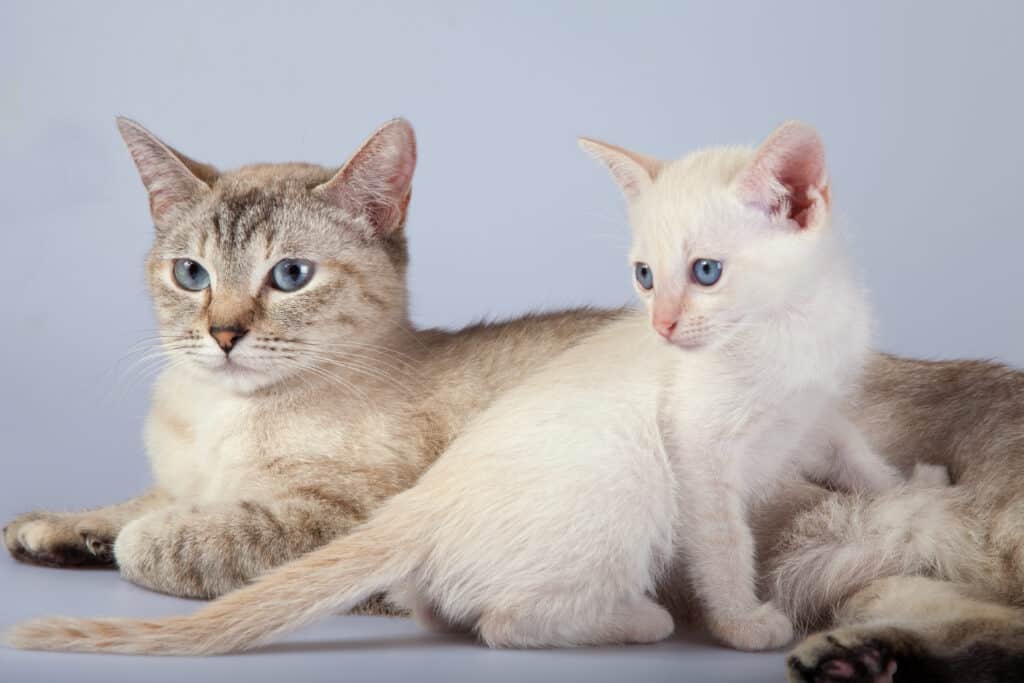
<point>238,377</point>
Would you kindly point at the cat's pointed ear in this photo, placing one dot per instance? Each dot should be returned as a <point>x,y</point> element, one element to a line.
<point>376,182</point>
<point>172,179</point>
<point>788,176</point>
<point>633,172</point>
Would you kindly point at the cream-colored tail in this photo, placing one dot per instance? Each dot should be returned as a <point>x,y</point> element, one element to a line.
<point>848,541</point>
<point>335,577</point>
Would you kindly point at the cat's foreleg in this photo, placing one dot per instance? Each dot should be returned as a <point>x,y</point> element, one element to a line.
<point>76,539</point>
<point>204,551</point>
<point>852,463</point>
<point>719,549</point>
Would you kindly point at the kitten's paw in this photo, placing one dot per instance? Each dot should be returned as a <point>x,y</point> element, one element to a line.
<point>762,628</point>
<point>54,540</point>
<point>835,658</point>
<point>925,476</point>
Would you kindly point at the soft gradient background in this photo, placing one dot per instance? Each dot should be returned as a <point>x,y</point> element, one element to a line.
<point>920,105</point>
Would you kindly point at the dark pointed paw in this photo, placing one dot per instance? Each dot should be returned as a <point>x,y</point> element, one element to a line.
<point>50,540</point>
<point>824,659</point>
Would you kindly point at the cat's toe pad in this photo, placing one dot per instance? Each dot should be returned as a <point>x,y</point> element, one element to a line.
<point>824,659</point>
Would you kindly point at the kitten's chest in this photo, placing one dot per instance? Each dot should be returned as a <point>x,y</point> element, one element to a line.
<point>750,422</point>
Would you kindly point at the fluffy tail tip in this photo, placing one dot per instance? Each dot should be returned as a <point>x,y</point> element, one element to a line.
<point>53,633</point>
<point>122,636</point>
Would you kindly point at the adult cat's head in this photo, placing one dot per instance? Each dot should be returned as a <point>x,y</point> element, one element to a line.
<point>272,270</point>
<point>725,238</point>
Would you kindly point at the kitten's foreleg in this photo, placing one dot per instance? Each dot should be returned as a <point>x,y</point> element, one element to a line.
<point>76,539</point>
<point>719,549</point>
<point>204,551</point>
<point>852,463</point>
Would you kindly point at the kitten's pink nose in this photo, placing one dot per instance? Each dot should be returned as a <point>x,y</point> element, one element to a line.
<point>665,327</point>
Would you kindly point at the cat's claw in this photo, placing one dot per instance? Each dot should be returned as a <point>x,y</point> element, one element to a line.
<point>101,548</point>
<point>762,628</point>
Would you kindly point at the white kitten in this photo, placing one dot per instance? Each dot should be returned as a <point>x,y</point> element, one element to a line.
<point>738,265</point>
<point>550,519</point>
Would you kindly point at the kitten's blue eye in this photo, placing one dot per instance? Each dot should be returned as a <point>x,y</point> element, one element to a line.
<point>190,275</point>
<point>291,273</point>
<point>644,275</point>
<point>707,271</point>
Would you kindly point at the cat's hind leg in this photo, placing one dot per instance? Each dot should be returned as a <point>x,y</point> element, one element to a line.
<point>913,630</point>
<point>638,620</point>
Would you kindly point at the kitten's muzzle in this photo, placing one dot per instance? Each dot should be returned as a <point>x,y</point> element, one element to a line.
<point>227,337</point>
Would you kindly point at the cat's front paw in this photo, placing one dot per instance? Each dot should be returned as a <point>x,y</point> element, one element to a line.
<point>837,658</point>
<point>762,628</point>
<point>55,540</point>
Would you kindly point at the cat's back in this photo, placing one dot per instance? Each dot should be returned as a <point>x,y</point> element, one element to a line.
<point>511,346</point>
<point>605,387</point>
<point>462,372</point>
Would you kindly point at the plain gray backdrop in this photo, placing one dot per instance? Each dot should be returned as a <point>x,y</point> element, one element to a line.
<point>920,105</point>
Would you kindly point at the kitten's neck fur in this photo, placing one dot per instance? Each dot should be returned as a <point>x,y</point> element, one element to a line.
<point>825,330</point>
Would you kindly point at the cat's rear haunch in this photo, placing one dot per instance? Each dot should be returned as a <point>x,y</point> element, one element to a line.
<point>550,519</point>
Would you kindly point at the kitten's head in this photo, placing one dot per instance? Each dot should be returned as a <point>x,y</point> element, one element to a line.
<point>274,270</point>
<point>724,238</point>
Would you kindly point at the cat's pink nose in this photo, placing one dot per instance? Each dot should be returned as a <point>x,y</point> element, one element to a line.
<point>665,327</point>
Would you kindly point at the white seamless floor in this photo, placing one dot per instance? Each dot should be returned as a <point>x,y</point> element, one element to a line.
<point>338,649</point>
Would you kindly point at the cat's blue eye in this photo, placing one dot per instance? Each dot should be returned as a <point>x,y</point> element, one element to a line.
<point>291,274</point>
<point>190,275</point>
<point>707,271</point>
<point>644,275</point>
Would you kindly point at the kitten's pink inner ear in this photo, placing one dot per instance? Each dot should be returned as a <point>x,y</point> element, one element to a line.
<point>171,178</point>
<point>634,172</point>
<point>376,183</point>
<point>788,176</point>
